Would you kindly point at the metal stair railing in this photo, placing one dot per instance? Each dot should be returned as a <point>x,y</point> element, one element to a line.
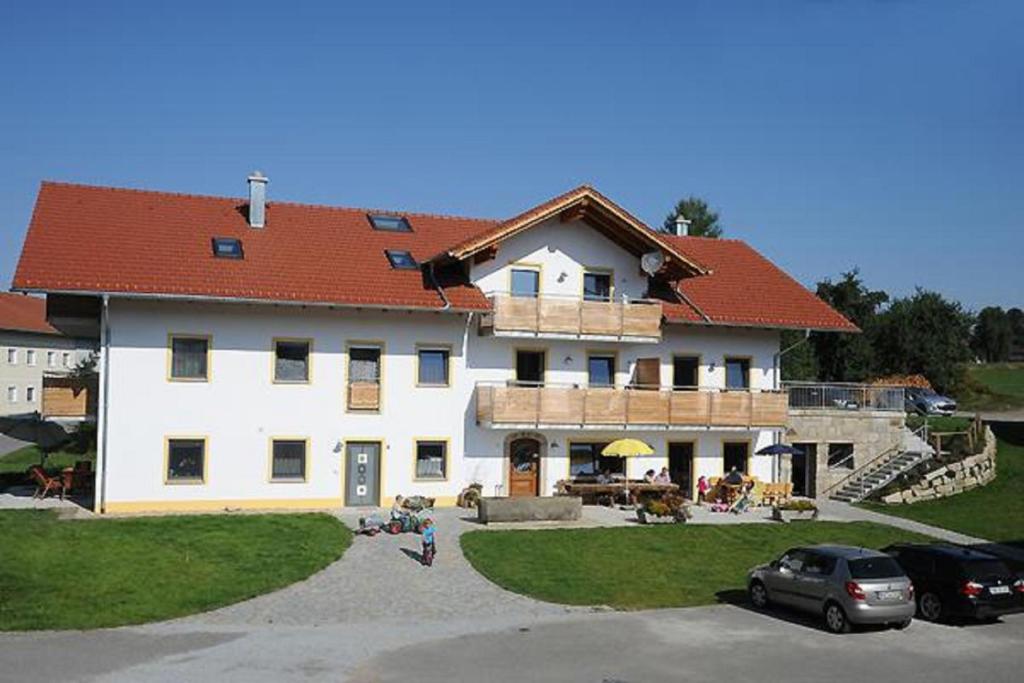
<point>862,472</point>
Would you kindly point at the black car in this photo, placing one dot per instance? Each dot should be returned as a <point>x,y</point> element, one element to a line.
<point>952,581</point>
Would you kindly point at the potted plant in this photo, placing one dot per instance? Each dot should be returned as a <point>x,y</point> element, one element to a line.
<point>669,509</point>
<point>794,508</point>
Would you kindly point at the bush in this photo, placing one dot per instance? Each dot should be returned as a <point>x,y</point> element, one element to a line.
<point>798,505</point>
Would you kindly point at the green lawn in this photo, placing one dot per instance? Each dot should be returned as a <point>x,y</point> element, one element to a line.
<point>18,461</point>
<point>993,386</point>
<point>994,512</point>
<point>657,566</point>
<point>109,572</point>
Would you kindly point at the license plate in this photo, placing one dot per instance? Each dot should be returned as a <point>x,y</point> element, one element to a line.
<point>999,590</point>
<point>890,595</point>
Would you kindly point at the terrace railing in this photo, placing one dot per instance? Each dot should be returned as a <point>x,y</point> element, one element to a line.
<point>510,404</point>
<point>844,396</point>
<point>568,316</point>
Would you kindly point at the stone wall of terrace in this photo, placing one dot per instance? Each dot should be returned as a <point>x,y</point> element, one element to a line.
<point>949,480</point>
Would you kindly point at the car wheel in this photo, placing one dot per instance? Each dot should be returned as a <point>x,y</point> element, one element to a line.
<point>929,606</point>
<point>835,618</point>
<point>902,625</point>
<point>758,595</point>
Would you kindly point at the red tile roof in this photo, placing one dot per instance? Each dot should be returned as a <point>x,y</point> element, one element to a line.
<point>24,314</point>
<point>745,288</point>
<point>143,242</point>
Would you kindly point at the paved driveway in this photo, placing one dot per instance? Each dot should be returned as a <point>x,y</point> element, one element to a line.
<point>9,445</point>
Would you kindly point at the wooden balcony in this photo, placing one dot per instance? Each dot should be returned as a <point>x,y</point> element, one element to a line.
<point>573,318</point>
<point>502,405</point>
<point>364,396</point>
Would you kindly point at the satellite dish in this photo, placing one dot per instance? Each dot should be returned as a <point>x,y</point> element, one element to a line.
<point>651,262</point>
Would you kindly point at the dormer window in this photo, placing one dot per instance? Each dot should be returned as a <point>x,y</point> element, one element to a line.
<point>389,223</point>
<point>227,247</point>
<point>401,260</point>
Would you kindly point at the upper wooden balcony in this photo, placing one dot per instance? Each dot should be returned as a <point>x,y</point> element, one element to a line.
<point>564,317</point>
<point>515,406</point>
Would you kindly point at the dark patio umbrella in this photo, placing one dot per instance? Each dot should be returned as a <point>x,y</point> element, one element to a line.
<point>779,449</point>
<point>33,428</point>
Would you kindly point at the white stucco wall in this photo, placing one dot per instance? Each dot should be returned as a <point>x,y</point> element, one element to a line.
<point>239,409</point>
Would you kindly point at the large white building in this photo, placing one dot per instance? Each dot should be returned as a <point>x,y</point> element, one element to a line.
<point>30,349</point>
<point>264,355</point>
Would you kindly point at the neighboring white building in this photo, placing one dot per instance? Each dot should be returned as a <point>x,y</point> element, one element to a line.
<point>29,349</point>
<point>274,355</point>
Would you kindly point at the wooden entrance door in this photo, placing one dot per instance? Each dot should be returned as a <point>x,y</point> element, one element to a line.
<point>524,467</point>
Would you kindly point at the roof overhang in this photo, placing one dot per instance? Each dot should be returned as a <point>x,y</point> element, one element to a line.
<point>588,205</point>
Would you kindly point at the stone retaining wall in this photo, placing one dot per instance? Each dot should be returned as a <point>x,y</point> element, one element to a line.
<point>963,475</point>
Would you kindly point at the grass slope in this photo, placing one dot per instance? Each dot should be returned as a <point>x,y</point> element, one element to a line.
<point>18,461</point>
<point>994,386</point>
<point>994,512</point>
<point>659,566</point>
<point>109,572</point>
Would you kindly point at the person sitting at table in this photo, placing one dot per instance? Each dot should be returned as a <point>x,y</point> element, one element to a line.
<point>663,477</point>
<point>734,478</point>
<point>604,477</point>
<point>649,477</point>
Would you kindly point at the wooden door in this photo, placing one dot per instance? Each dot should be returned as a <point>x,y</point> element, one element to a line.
<point>647,373</point>
<point>524,468</point>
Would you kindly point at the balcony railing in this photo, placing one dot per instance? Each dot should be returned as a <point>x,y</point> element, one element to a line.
<point>844,396</point>
<point>575,317</point>
<point>501,404</point>
<point>364,396</point>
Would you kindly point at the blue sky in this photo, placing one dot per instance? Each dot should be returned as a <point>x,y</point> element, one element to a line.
<point>883,135</point>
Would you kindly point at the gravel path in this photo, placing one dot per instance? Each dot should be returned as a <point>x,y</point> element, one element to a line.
<point>381,578</point>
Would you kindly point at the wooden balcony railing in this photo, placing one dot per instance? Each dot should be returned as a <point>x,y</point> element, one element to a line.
<point>573,316</point>
<point>503,404</point>
<point>363,396</point>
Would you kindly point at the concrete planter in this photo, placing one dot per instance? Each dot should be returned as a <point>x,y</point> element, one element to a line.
<point>647,518</point>
<point>557,508</point>
<point>786,516</point>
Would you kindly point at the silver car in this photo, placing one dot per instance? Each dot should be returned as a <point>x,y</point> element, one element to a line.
<point>844,584</point>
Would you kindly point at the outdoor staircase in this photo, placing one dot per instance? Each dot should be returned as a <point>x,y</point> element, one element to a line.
<point>882,469</point>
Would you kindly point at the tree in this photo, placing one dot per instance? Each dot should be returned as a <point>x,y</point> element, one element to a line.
<point>993,335</point>
<point>848,357</point>
<point>799,362</point>
<point>924,334</point>
<point>703,221</point>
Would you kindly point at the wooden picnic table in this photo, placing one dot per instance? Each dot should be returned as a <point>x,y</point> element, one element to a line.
<point>595,491</point>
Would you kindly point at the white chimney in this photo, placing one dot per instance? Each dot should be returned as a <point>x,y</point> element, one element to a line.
<point>257,199</point>
<point>682,225</point>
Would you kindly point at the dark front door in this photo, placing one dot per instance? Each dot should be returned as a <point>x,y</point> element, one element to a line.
<point>362,473</point>
<point>680,466</point>
<point>524,468</point>
<point>801,472</point>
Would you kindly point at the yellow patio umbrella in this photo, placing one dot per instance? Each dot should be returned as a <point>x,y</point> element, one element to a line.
<point>626,448</point>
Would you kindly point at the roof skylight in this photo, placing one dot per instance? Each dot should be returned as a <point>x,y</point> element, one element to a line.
<point>227,247</point>
<point>389,223</point>
<point>401,260</point>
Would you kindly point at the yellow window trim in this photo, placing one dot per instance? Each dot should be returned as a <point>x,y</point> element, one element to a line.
<point>531,349</point>
<point>416,441</point>
<point>597,270</point>
<point>270,459</point>
<point>167,459</point>
<point>273,360</point>
<point>701,376</point>
<point>750,371</point>
<point>523,265</point>
<point>599,353</point>
<point>380,345</point>
<point>416,365</point>
<point>171,336</point>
